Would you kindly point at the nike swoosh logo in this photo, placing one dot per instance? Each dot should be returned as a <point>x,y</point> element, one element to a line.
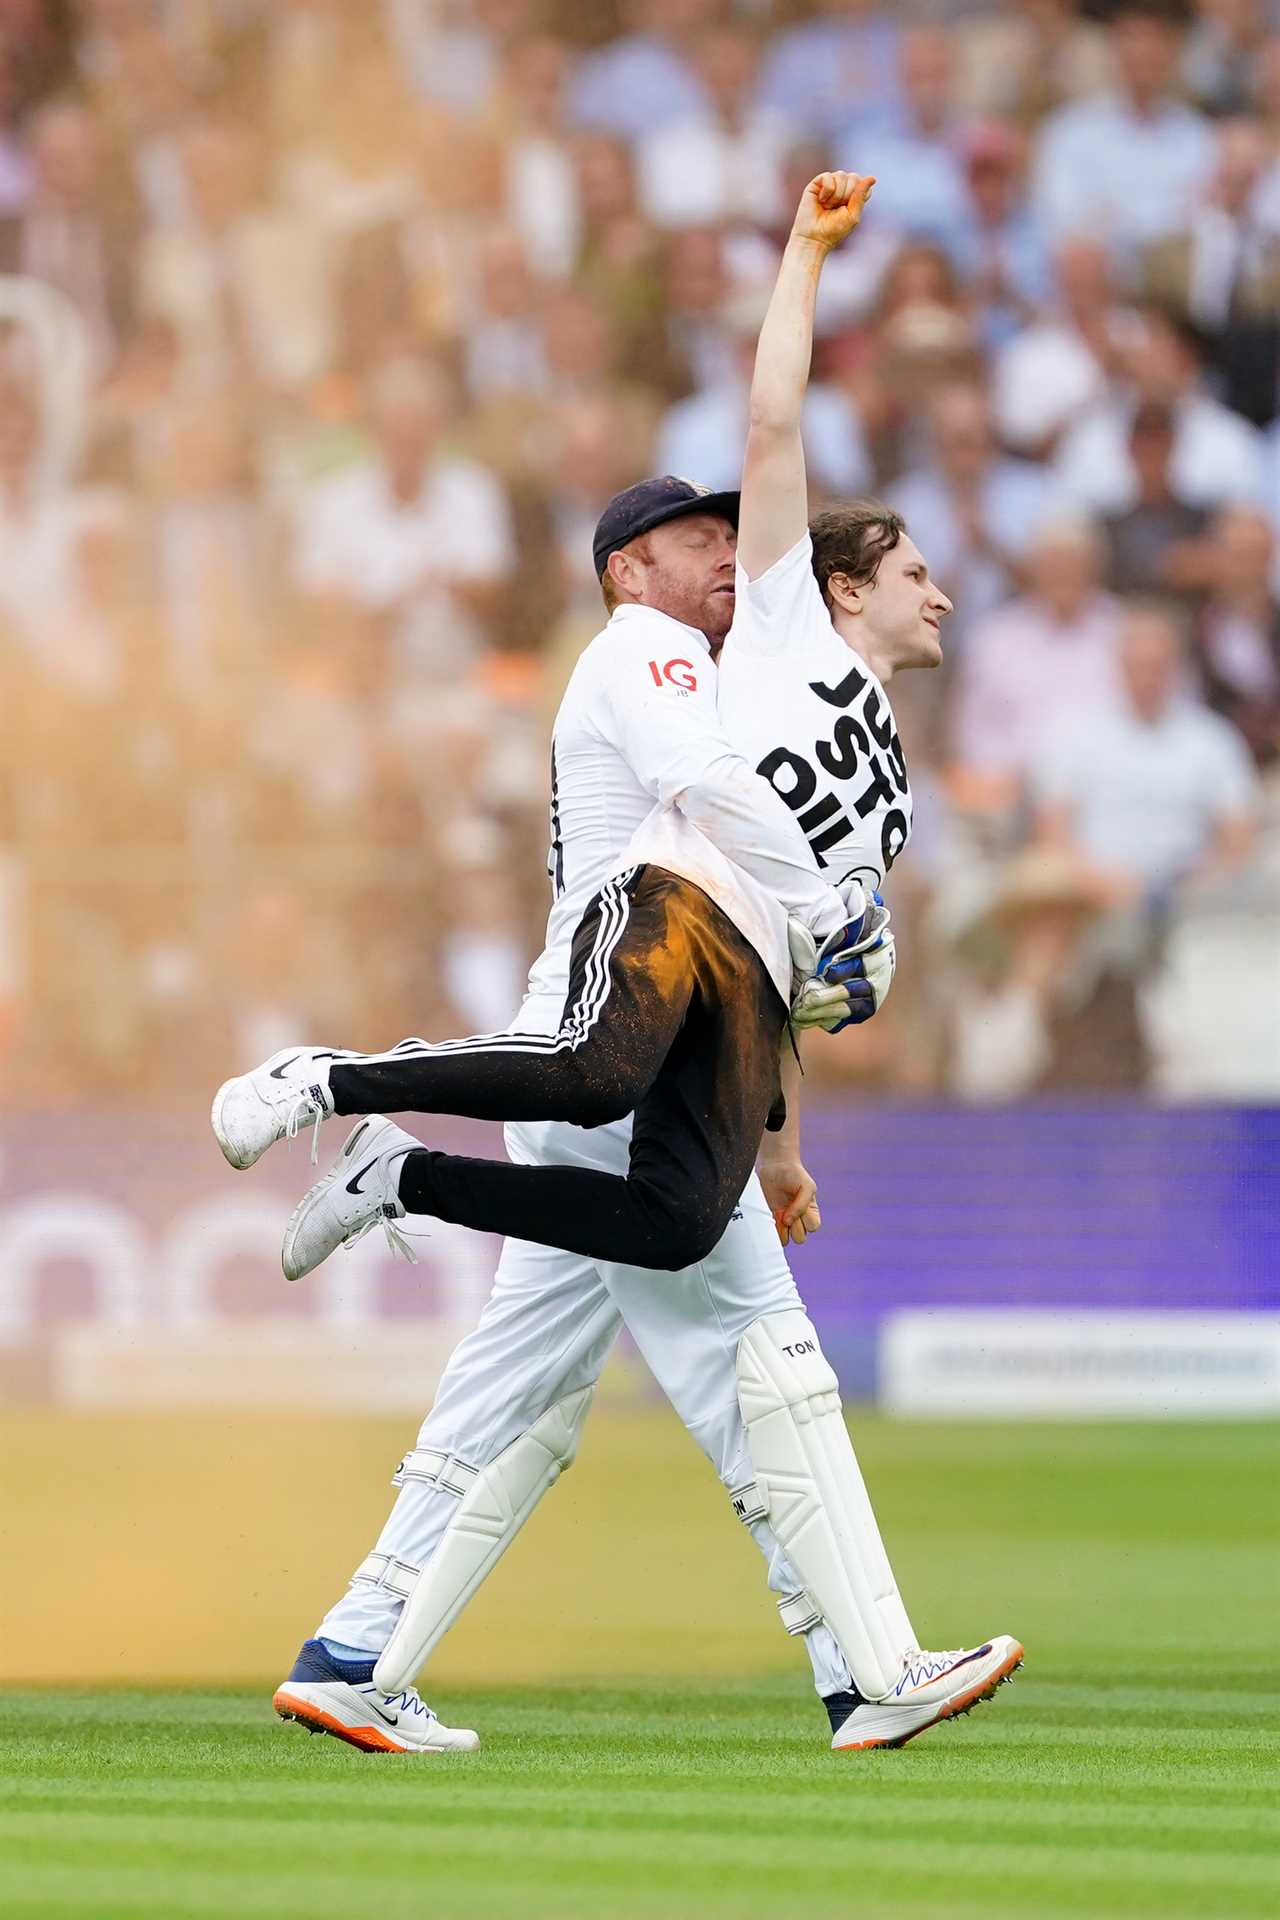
<point>392,1719</point>
<point>353,1185</point>
<point>278,1073</point>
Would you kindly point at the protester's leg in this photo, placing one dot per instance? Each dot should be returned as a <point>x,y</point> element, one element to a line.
<point>623,1006</point>
<point>622,1010</point>
<point>695,1130</point>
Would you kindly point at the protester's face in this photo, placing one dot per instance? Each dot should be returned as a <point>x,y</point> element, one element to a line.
<point>685,569</point>
<point>901,611</point>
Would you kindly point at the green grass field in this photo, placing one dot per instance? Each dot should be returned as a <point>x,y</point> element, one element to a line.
<point>1130,1770</point>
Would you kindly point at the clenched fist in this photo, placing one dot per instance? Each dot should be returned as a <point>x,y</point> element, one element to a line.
<point>831,207</point>
<point>790,1192</point>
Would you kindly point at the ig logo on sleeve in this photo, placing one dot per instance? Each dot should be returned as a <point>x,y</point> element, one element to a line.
<point>677,673</point>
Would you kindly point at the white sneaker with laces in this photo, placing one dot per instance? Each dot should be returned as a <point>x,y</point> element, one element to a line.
<point>931,1687</point>
<point>274,1102</point>
<point>366,1718</point>
<point>358,1193</point>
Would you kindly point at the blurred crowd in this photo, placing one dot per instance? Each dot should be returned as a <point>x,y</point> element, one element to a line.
<point>326,328</point>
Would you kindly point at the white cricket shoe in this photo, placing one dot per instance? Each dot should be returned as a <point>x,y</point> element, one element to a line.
<point>358,1193</point>
<point>360,1713</point>
<point>932,1687</point>
<point>274,1102</point>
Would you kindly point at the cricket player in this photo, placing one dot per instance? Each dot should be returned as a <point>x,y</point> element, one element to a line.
<point>667,958</point>
<point>727,1337</point>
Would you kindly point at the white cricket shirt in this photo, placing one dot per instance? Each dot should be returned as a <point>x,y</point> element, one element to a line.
<point>638,732</point>
<point>811,716</point>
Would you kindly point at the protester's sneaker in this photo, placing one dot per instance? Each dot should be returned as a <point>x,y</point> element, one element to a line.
<point>931,1687</point>
<point>358,1193</point>
<point>274,1102</point>
<point>324,1696</point>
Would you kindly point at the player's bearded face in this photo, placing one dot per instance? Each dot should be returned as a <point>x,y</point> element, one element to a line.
<point>689,573</point>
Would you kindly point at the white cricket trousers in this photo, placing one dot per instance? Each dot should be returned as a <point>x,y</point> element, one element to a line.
<point>546,1331</point>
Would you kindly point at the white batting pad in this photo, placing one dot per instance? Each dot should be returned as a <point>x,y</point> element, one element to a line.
<point>808,1476</point>
<point>490,1514</point>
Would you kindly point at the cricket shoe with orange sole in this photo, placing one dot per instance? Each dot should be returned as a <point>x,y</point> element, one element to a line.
<point>930,1688</point>
<point>325,1695</point>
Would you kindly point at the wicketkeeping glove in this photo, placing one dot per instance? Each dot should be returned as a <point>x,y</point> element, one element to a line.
<point>851,974</point>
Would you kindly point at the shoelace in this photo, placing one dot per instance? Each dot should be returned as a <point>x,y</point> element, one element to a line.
<point>388,1219</point>
<point>919,1667</point>
<point>410,1701</point>
<point>305,1106</point>
<point>397,1238</point>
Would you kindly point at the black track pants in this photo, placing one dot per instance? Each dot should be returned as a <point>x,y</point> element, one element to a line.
<point>670,1015</point>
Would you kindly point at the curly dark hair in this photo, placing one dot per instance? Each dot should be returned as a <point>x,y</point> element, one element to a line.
<point>853,539</point>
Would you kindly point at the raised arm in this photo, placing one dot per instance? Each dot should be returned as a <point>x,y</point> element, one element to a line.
<point>775,504</point>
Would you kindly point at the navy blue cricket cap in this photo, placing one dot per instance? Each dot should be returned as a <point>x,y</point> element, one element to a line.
<point>649,504</point>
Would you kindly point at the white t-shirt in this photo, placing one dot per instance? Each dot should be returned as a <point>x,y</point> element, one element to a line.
<point>642,771</point>
<point>1146,798</point>
<point>811,716</point>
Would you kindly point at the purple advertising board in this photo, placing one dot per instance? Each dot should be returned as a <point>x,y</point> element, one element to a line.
<point>1049,1206</point>
<point>130,1223</point>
